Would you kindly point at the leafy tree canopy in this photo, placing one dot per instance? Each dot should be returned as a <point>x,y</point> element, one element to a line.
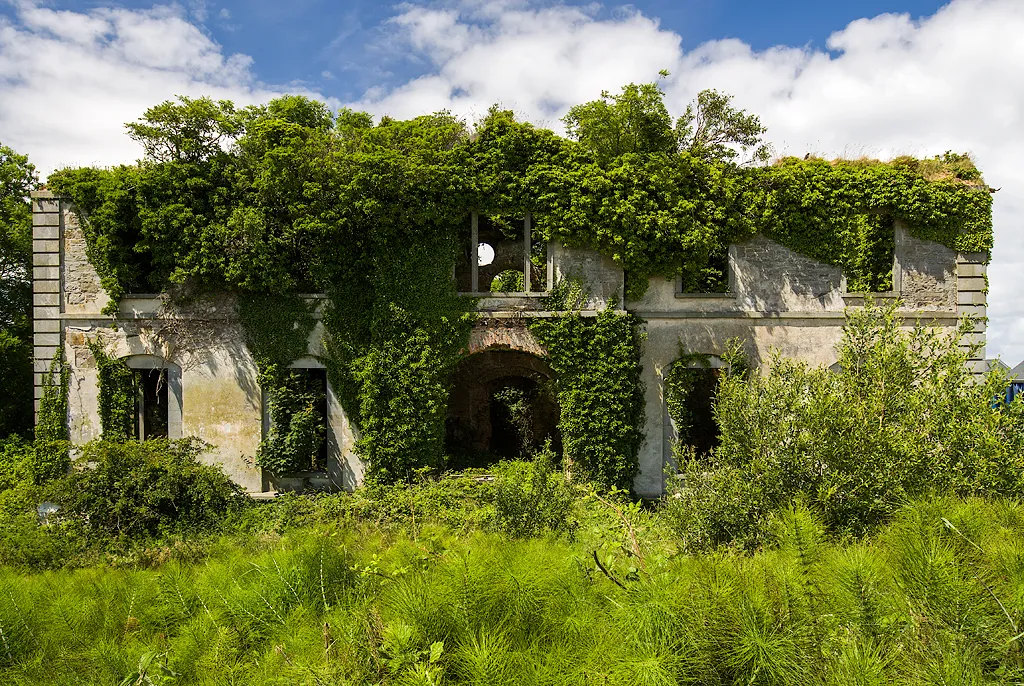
<point>17,180</point>
<point>289,197</point>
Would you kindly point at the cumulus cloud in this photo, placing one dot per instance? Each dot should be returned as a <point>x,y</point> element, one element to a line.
<point>69,80</point>
<point>884,86</point>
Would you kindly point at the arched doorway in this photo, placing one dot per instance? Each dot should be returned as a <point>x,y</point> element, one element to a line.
<point>690,389</point>
<point>501,406</point>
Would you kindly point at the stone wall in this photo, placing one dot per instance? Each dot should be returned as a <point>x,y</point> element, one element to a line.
<point>925,274</point>
<point>602,277</point>
<point>779,302</point>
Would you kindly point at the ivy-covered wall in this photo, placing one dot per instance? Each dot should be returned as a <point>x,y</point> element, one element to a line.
<point>270,202</point>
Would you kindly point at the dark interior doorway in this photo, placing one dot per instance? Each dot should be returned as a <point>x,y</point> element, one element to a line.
<point>502,406</point>
<point>151,405</point>
<point>690,394</point>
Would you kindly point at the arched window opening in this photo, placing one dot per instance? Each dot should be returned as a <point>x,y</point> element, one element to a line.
<point>690,389</point>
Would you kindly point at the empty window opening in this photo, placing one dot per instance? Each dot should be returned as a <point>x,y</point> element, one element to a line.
<point>502,406</point>
<point>872,239</point>
<point>690,397</point>
<point>713,277</point>
<point>306,410</point>
<point>499,254</point>
<point>151,406</point>
<point>506,239</point>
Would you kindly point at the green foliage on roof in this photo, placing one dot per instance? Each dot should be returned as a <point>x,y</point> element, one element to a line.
<point>289,197</point>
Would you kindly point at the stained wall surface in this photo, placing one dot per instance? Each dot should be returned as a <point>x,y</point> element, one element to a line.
<point>778,302</point>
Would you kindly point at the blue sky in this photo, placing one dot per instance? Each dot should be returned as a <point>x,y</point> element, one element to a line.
<point>342,48</point>
<point>875,78</point>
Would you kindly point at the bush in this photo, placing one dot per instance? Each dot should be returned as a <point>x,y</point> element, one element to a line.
<point>146,488</point>
<point>531,498</point>
<point>901,418</point>
<point>39,462</point>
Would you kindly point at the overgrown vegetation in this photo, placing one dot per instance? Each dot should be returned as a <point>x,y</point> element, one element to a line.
<point>277,330</point>
<point>754,569</point>
<point>17,180</point>
<point>596,361</point>
<point>289,198</point>
<point>931,599</point>
<point>901,418</point>
<point>117,396</point>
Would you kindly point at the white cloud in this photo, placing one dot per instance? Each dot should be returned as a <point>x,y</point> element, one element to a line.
<point>886,85</point>
<point>69,80</point>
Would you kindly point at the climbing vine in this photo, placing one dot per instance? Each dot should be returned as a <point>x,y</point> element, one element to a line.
<point>53,405</point>
<point>276,329</point>
<point>272,201</point>
<point>597,368</point>
<point>118,393</point>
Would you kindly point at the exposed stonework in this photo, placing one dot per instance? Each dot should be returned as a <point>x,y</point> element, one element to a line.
<point>603,279</point>
<point>768,277</point>
<point>779,301</point>
<point>926,273</point>
<point>504,334</point>
<point>82,290</point>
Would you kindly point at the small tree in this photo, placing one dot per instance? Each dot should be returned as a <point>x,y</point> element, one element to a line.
<point>637,121</point>
<point>17,180</point>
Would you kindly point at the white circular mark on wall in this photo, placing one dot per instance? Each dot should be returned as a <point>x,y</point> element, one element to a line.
<point>484,255</point>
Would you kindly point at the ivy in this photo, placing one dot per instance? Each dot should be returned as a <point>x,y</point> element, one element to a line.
<point>597,368</point>
<point>118,394</point>
<point>296,428</point>
<point>276,329</point>
<point>53,405</point>
<point>272,201</point>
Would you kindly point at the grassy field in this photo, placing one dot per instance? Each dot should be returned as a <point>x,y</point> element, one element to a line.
<point>302,593</point>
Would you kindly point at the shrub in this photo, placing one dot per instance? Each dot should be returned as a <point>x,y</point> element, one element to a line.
<point>146,488</point>
<point>531,498</point>
<point>38,462</point>
<point>902,417</point>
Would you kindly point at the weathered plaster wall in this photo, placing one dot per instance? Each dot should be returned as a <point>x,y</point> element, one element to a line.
<point>778,301</point>
<point>603,278</point>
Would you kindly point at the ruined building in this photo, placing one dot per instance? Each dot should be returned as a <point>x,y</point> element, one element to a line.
<point>204,384</point>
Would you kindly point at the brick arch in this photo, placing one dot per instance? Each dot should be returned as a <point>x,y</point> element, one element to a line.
<point>504,334</point>
<point>471,427</point>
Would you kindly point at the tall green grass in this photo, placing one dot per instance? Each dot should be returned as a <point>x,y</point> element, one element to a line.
<point>935,597</point>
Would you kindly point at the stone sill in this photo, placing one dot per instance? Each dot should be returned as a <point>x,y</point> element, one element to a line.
<point>513,294</point>
<point>729,295</point>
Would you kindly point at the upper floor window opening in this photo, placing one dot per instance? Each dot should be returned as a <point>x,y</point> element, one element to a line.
<point>501,255</point>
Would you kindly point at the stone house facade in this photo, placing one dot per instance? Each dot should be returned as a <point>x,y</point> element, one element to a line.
<point>777,300</point>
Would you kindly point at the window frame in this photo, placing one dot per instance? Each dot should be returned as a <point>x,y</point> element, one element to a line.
<point>474,258</point>
<point>174,393</point>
